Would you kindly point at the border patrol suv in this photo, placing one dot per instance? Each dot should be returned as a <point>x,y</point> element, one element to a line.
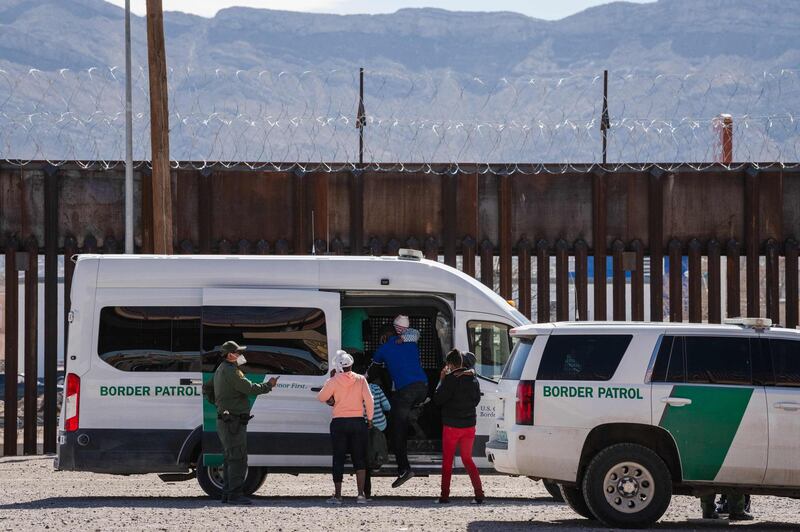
<point>623,415</point>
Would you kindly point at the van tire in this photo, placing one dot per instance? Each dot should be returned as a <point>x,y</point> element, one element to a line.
<point>210,481</point>
<point>627,466</point>
<point>554,490</point>
<point>573,496</point>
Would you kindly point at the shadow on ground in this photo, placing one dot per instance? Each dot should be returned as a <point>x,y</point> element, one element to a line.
<point>584,524</point>
<point>266,501</point>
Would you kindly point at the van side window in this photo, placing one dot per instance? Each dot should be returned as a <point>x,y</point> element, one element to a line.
<point>670,365</point>
<point>279,340</point>
<point>718,360</point>
<point>150,338</point>
<point>582,357</point>
<point>786,362</point>
<point>491,344</point>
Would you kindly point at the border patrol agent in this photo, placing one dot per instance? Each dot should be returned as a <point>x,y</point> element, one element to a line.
<point>232,391</point>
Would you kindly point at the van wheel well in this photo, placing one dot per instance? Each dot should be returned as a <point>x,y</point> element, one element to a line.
<point>654,438</point>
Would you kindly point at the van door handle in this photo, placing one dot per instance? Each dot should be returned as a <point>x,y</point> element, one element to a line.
<point>790,407</point>
<point>190,382</point>
<point>316,389</point>
<point>676,401</point>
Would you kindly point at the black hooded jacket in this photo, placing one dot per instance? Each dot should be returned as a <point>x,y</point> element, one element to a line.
<point>458,395</point>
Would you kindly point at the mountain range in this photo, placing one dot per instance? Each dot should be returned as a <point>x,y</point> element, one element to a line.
<point>263,85</point>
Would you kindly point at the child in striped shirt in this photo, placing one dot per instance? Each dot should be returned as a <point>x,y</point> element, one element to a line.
<point>374,377</point>
<point>382,404</point>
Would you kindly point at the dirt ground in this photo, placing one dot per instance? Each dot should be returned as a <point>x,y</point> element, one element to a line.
<point>35,497</point>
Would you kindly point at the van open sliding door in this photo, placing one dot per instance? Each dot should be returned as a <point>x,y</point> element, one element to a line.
<point>291,334</point>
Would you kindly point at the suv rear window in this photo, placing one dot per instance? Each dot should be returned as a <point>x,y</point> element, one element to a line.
<point>786,362</point>
<point>582,357</point>
<point>519,356</point>
<point>704,360</point>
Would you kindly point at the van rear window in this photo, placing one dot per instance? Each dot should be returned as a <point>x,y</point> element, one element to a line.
<point>150,338</point>
<point>582,357</point>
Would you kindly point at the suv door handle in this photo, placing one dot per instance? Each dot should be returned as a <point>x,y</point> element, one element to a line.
<point>188,382</point>
<point>676,401</point>
<point>316,389</point>
<point>788,406</point>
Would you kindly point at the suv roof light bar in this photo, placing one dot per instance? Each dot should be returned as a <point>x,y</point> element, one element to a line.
<point>754,323</point>
<point>409,254</point>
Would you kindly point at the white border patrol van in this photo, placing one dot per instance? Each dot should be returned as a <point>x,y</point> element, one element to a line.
<point>145,331</point>
<point>623,415</point>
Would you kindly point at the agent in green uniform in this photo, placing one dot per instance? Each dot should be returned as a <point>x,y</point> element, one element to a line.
<point>232,391</point>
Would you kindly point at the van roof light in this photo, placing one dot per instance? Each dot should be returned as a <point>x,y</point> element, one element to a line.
<point>754,323</point>
<point>409,254</point>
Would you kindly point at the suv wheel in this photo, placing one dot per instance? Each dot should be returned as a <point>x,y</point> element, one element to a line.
<point>554,490</point>
<point>627,486</point>
<point>574,499</point>
<point>211,480</point>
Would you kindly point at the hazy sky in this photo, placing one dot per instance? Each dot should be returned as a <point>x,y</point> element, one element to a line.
<point>546,9</point>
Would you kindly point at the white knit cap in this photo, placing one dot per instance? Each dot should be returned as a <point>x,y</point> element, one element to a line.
<point>402,321</point>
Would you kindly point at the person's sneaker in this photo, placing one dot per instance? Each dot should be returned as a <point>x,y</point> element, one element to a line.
<point>477,500</point>
<point>710,515</point>
<point>239,501</point>
<point>443,500</point>
<point>334,500</point>
<point>740,516</point>
<point>402,479</point>
<point>361,499</point>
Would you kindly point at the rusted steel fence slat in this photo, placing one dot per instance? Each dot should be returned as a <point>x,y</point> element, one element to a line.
<point>637,282</point>
<point>656,243</point>
<point>524,276</point>
<point>468,252</point>
<point>581,281</point>
<point>50,309</point>
<point>562,280</point>
<point>11,349</point>
<point>618,281</point>
<point>773,280</point>
<point>487,264</point>
<point>31,327</point>
<point>695,281</point>
<point>790,267</point>
<point>733,304</point>
<point>675,281</point>
<point>542,281</point>
<point>714,283</point>
<point>751,208</point>
<point>599,224</point>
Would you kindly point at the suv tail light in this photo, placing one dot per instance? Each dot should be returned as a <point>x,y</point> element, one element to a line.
<point>525,393</point>
<point>72,402</point>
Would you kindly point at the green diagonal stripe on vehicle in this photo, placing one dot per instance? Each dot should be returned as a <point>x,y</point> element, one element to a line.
<point>210,416</point>
<point>704,430</point>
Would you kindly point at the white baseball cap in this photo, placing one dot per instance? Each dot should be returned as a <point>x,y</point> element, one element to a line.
<point>402,321</point>
<point>343,359</point>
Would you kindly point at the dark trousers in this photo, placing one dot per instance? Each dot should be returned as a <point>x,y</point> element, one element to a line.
<point>348,435</point>
<point>402,402</point>
<point>233,435</point>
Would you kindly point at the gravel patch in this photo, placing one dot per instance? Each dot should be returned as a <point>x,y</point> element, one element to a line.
<point>35,497</point>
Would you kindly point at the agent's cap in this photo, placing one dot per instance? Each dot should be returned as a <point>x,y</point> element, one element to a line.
<point>232,347</point>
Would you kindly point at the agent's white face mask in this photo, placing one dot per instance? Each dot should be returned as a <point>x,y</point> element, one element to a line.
<point>240,360</point>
